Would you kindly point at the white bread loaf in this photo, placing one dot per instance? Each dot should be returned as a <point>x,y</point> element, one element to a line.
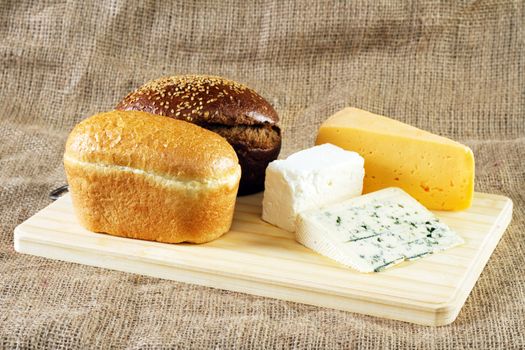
<point>138,175</point>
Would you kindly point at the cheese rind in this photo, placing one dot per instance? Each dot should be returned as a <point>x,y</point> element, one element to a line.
<point>375,231</point>
<point>307,179</point>
<point>437,171</point>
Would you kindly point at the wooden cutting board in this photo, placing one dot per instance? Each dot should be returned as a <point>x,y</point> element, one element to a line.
<point>258,258</point>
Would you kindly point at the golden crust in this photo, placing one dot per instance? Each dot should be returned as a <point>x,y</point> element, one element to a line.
<point>152,143</point>
<point>137,175</point>
<point>111,201</point>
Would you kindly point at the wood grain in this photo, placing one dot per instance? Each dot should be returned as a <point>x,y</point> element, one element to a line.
<point>258,258</point>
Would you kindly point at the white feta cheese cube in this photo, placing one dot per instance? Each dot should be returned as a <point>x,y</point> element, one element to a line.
<point>311,178</point>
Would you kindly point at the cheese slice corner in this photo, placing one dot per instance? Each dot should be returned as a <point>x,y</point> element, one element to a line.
<point>435,170</point>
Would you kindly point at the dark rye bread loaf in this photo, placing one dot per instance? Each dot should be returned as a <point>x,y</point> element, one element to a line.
<point>237,113</point>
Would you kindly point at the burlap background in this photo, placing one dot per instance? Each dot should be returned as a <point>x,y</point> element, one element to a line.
<point>457,69</point>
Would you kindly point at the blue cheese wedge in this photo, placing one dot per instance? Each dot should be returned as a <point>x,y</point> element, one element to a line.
<point>375,231</point>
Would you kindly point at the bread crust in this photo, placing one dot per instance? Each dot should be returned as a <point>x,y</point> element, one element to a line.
<point>218,104</point>
<point>254,154</point>
<point>152,143</point>
<point>202,100</point>
<point>184,201</point>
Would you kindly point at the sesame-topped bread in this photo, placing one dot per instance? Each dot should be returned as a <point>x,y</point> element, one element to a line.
<point>236,112</point>
<point>140,175</point>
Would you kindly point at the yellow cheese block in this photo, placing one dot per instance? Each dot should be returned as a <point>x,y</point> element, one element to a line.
<point>437,171</point>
